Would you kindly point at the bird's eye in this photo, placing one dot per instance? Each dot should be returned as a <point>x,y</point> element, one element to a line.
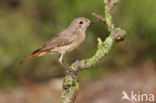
<point>81,22</point>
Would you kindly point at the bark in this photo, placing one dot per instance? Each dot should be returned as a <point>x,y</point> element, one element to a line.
<point>71,85</point>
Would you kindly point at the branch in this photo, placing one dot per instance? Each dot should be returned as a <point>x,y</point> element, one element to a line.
<point>99,18</point>
<point>71,85</point>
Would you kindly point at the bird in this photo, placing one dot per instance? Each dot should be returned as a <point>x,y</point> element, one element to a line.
<point>66,41</point>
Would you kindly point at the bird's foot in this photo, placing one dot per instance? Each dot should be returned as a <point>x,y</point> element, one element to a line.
<point>72,73</point>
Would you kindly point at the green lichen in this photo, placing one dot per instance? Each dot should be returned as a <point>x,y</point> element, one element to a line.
<point>73,67</point>
<point>70,85</point>
<point>108,16</point>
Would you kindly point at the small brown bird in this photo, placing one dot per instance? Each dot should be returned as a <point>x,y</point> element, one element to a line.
<point>64,42</point>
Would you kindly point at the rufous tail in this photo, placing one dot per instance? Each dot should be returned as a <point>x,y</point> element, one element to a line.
<point>30,57</point>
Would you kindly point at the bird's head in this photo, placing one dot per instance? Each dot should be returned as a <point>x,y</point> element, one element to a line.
<point>80,24</point>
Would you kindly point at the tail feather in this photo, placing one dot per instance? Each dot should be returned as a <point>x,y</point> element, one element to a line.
<point>30,57</point>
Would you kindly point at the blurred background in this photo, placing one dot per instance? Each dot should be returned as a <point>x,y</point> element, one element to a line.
<point>25,25</point>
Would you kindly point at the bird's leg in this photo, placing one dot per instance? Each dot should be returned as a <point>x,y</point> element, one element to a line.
<point>67,67</point>
<point>61,62</point>
<point>70,71</point>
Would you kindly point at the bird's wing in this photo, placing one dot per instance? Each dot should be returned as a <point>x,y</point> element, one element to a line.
<point>64,38</point>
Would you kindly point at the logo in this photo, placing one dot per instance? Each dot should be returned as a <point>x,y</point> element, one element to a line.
<point>137,97</point>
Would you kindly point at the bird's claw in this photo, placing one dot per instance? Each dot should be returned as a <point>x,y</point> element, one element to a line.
<point>72,73</point>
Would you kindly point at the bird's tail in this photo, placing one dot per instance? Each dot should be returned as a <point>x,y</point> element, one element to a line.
<point>30,57</point>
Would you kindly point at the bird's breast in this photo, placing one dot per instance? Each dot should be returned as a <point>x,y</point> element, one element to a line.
<point>80,38</point>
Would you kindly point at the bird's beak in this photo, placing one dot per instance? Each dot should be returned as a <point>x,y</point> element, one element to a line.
<point>92,22</point>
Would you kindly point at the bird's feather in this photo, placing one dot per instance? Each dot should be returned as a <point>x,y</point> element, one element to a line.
<point>64,38</point>
<point>30,57</point>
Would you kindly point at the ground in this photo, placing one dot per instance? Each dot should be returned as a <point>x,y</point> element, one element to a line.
<point>107,89</point>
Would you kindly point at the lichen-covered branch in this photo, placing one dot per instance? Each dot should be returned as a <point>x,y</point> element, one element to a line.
<point>71,88</point>
<point>71,85</point>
